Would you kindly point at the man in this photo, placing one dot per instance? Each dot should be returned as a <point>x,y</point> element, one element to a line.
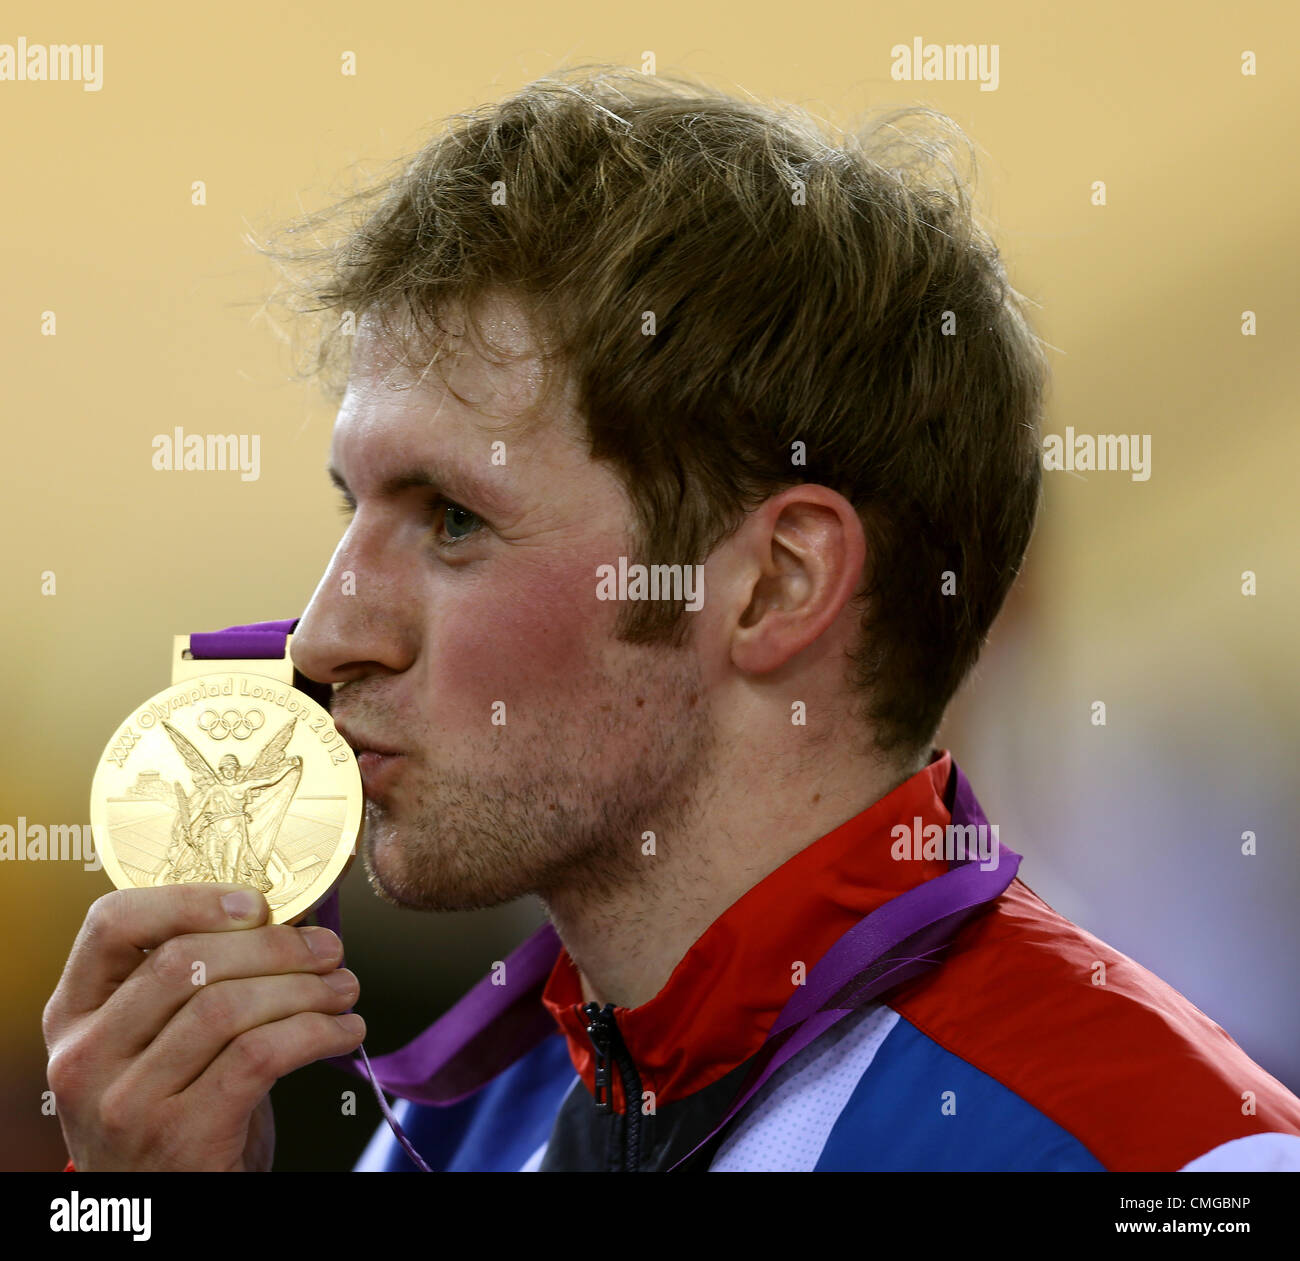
<point>617,322</point>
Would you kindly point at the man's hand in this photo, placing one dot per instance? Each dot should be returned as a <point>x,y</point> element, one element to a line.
<point>157,1063</point>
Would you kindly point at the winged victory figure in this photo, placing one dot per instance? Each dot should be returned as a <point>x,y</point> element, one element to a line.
<point>223,829</point>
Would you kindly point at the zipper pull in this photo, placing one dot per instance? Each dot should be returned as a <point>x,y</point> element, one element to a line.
<point>599,1031</point>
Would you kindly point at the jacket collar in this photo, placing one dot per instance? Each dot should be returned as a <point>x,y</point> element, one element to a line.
<point>716,1008</point>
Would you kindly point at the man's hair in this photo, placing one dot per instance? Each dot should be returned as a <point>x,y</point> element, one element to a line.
<point>816,294</point>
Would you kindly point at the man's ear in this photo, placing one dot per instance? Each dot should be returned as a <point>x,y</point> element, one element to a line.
<point>800,557</point>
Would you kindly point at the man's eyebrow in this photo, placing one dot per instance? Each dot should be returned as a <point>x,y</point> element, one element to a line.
<point>421,479</point>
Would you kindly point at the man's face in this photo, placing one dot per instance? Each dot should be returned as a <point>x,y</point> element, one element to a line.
<point>518,747</point>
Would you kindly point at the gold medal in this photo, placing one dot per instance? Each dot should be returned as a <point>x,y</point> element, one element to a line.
<point>234,775</point>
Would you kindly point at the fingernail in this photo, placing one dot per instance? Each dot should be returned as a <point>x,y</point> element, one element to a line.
<point>241,904</point>
<point>321,942</point>
<point>352,1024</point>
<point>343,981</point>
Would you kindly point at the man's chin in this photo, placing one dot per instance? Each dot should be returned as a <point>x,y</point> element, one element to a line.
<point>426,888</point>
<point>387,873</point>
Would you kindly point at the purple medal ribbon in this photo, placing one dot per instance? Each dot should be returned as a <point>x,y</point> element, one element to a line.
<point>262,641</point>
<point>493,1026</point>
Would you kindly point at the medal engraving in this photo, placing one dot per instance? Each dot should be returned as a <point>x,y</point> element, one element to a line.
<point>229,777</point>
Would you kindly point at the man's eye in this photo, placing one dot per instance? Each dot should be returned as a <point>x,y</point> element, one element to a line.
<point>457,522</point>
<point>347,507</point>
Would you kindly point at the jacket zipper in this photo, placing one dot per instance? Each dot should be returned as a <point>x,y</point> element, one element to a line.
<point>602,1029</point>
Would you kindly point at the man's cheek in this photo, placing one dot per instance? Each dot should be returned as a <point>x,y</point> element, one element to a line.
<point>535,635</point>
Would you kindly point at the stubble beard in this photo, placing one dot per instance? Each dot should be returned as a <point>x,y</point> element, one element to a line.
<point>569,815</point>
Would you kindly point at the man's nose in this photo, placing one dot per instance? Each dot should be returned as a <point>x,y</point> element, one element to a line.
<point>352,627</point>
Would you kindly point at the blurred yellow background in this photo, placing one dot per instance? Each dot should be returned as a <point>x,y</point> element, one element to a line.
<point>1132,593</point>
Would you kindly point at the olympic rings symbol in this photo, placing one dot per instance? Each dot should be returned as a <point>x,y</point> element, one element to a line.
<point>231,723</point>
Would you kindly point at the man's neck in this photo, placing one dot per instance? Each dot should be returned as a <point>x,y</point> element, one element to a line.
<point>627,941</point>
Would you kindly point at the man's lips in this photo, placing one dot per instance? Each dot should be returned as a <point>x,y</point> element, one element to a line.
<point>377,771</point>
<point>377,762</point>
<point>362,743</point>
